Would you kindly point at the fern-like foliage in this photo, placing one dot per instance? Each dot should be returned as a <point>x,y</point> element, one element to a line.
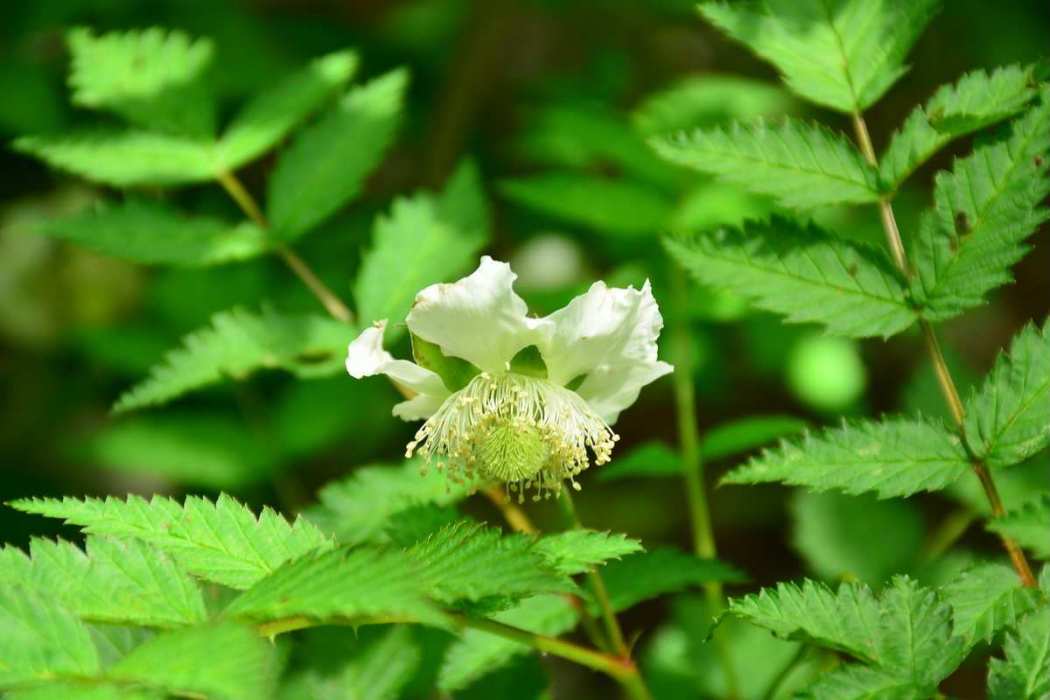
<point>986,599</point>
<point>1008,419</point>
<point>893,457</point>
<point>842,54</point>
<point>155,234</point>
<point>870,629</point>
<point>577,551</point>
<point>987,206</point>
<point>1025,672</point>
<point>802,272</point>
<point>221,541</point>
<point>1028,525</point>
<point>114,581</point>
<point>801,164</point>
<point>240,342</point>
<point>975,101</point>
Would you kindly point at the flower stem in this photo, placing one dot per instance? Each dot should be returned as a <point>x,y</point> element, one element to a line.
<point>512,513</point>
<point>332,304</point>
<point>944,376</point>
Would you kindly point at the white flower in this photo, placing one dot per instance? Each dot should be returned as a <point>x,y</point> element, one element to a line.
<point>529,426</point>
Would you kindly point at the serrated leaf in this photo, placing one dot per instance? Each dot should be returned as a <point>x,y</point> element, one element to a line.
<point>650,574</point>
<point>125,158</point>
<point>975,101</point>
<point>225,660</point>
<point>987,206</point>
<point>628,208</point>
<point>237,343</point>
<point>423,240</point>
<point>113,581</point>
<point>477,653</point>
<point>705,100</point>
<point>577,551</point>
<point>41,639</point>
<point>842,54</point>
<point>79,690</point>
<point>356,509</point>
<point>857,682</point>
<point>269,116</point>
<point>153,78</point>
<point>1025,672</point>
<point>155,234</point>
<point>327,163</point>
<point>221,542</point>
<point>1028,525</point>
<point>803,273</point>
<point>986,599</point>
<point>800,164</point>
<point>893,457</point>
<point>1008,418</point>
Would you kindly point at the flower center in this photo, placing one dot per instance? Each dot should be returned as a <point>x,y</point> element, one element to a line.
<point>521,430</point>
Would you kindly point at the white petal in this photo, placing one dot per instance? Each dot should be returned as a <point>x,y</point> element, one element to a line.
<point>479,318</point>
<point>609,335</point>
<point>366,358</point>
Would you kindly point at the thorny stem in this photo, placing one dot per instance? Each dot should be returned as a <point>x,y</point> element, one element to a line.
<point>335,307</point>
<point>944,376</point>
<point>693,468</point>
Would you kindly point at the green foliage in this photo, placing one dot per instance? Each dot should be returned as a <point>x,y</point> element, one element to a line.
<point>975,101</point>
<point>153,233</point>
<point>894,457</point>
<point>114,581</point>
<point>577,551</point>
<point>646,575</point>
<point>424,239</point>
<point>987,206</point>
<point>221,542</point>
<point>802,272</point>
<point>696,100</point>
<point>1028,525</point>
<point>1025,672</point>
<point>153,78</point>
<point>1008,419</point>
<point>237,343</point>
<point>326,165</point>
<point>800,164</point>
<point>842,54</point>
<point>986,599</point>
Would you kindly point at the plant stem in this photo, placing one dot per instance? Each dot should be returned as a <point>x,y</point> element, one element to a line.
<point>335,307</point>
<point>944,376</point>
<point>947,534</point>
<point>510,510</point>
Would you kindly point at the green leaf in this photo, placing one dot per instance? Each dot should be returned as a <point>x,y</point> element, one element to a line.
<point>802,165</point>
<point>856,682</point>
<point>224,660</point>
<point>272,114</point>
<point>842,54</point>
<point>155,234</point>
<point>894,457</point>
<point>803,273</point>
<point>153,78</point>
<point>205,449</point>
<point>79,690</point>
<point>1025,672</point>
<point>125,158</point>
<point>987,206</point>
<point>1028,525</point>
<point>41,639</point>
<point>455,372</point>
<point>237,343</point>
<point>1008,419</point>
<point>649,459</point>
<point>651,574</point>
<point>477,653</point>
<point>113,581</point>
<point>628,208</point>
<point>577,551</point>
<point>976,101</point>
<point>986,599</point>
<point>745,434</point>
<point>356,509</point>
<point>832,532</point>
<point>423,240</point>
<point>326,165</point>
<point>221,542</point>
<point>706,100</point>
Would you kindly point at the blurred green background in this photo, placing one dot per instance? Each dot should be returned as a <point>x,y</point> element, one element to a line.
<point>552,100</point>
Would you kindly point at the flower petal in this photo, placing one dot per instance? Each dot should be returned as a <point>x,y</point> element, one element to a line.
<point>366,358</point>
<point>479,318</point>
<point>610,336</point>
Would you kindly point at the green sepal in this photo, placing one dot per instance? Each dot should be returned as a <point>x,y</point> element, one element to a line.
<point>454,372</point>
<point>529,362</point>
